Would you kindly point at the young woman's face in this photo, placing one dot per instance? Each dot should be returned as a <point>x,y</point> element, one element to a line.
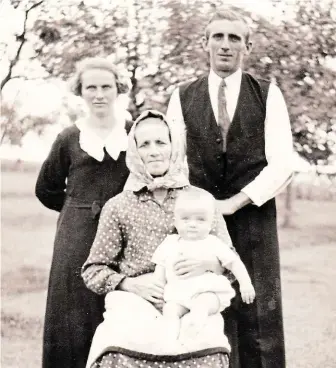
<point>154,146</point>
<point>99,91</point>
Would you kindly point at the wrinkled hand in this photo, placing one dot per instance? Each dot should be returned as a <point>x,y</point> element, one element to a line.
<point>146,286</point>
<point>247,293</point>
<point>186,267</point>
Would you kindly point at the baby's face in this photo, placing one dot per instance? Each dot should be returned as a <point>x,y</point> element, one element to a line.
<point>193,222</point>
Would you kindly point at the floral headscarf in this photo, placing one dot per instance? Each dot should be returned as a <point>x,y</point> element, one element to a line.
<point>177,174</point>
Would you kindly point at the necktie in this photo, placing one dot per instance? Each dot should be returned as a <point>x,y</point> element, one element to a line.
<point>223,116</point>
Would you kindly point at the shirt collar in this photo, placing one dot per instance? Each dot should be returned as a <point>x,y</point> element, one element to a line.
<point>233,79</point>
<point>146,195</point>
<point>93,145</point>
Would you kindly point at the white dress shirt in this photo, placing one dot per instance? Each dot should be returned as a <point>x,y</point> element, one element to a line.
<point>278,137</point>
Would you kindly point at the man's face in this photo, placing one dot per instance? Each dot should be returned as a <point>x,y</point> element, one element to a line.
<point>226,45</point>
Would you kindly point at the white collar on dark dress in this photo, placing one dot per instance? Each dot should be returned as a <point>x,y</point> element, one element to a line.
<point>94,145</point>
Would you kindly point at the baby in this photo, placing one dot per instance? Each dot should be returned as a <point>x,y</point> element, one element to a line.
<point>208,293</point>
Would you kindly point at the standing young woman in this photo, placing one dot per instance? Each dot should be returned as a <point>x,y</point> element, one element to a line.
<point>85,167</point>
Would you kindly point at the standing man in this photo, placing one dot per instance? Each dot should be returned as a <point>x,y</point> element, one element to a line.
<point>239,148</point>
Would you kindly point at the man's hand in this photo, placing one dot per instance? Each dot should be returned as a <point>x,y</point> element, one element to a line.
<point>227,206</point>
<point>231,205</point>
<point>147,286</point>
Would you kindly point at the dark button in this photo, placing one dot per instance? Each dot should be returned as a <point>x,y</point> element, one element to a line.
<point>219,157</point>
<point>218,140</point>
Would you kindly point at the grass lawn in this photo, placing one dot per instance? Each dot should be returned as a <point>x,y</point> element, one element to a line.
<point>308,258</point>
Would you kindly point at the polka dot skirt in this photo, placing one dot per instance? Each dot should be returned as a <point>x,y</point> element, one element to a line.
<point>116,360</point>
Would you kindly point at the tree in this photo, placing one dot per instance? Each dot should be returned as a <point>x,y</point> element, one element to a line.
<point>20,40</point>
<point>14,126</point>
<point>295,54</point>
<point>127,32</point>
<point>157,44</point>
<point>8,121</point>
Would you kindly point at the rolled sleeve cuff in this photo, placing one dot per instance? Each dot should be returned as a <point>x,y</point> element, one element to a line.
<point>114,281</point>
<point>258,198</point>
<point>253,194</point>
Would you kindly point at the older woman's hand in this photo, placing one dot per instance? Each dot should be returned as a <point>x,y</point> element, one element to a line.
<point>146,286</point>
<point>186,267</point>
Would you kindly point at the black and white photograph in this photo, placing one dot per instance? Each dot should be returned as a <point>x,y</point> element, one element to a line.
<point>168,183</point>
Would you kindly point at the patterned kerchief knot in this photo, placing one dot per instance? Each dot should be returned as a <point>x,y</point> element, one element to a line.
<point>177,174</point>
<point>223,116</point>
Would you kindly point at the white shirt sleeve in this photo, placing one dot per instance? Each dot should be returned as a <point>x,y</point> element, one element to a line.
<point>174,110</point>
<point>278,146</point>
<point>278,150</point>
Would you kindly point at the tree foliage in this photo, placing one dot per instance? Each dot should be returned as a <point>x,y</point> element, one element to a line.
<point>14,126</point>
<point>157,44</point>
<point>20,40</point>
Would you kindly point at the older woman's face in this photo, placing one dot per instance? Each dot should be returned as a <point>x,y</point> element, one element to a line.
<point>99,91</point>
<point>154,146</point>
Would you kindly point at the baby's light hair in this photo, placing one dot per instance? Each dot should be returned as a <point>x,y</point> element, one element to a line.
<point>195,194</point>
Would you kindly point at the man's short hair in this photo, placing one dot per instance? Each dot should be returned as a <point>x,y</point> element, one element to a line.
<point>228,14</point>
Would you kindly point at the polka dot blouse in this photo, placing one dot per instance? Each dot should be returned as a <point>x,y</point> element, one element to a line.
<point>131,227</point>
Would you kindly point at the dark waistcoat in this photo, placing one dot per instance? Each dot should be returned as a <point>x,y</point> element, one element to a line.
<point>224,175</point>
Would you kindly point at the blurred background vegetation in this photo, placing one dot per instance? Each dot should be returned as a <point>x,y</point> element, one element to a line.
<point>156,45</point>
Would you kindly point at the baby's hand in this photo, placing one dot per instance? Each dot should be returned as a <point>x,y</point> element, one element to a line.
<point>247,293</point>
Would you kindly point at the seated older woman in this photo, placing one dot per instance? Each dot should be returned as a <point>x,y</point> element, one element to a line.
<point>131,227</point>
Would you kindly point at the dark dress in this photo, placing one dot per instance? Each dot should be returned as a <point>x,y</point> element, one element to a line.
<point>76,185</point>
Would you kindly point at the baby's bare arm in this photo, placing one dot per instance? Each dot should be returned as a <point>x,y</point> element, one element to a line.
<point>238,269</point>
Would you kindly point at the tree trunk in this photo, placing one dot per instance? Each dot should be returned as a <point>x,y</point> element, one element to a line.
<point>22,39</point>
